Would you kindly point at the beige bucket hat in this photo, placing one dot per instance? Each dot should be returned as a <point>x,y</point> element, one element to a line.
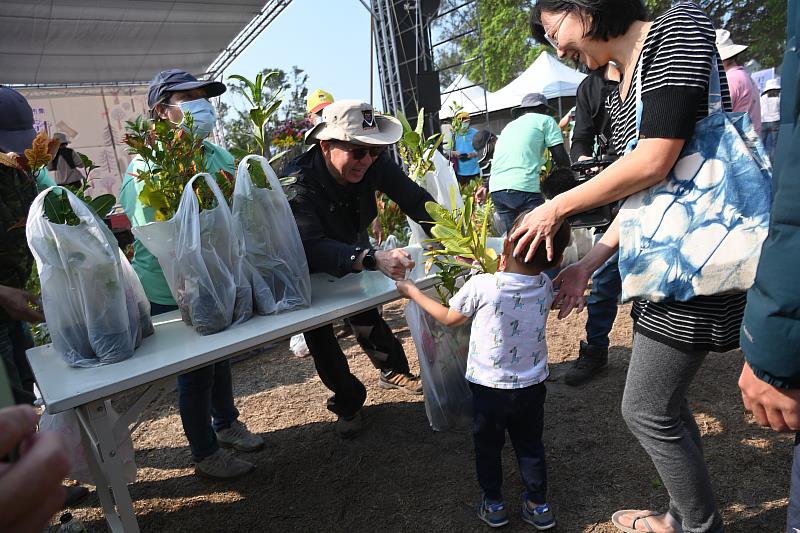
<point>355,122</point>
<point>726,47</point>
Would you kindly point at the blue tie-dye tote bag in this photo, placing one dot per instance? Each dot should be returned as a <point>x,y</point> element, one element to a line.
<point>699,232</point>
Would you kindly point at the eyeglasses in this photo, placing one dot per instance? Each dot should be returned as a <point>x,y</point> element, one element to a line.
<point>360,152</point>
<point>551,39</point>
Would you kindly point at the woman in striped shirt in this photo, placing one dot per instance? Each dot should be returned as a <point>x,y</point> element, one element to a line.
<point>675,53</point>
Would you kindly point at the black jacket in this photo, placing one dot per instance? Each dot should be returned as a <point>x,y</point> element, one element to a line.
<point>333,219</point>
<point>591,118</point>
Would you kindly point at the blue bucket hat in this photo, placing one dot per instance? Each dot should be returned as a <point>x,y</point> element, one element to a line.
<point>16,121</point>
<point>172,80</point>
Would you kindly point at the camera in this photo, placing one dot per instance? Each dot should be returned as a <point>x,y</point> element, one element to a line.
<point>562,179</point>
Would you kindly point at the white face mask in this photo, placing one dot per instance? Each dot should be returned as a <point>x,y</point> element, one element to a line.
<point>203,116</point>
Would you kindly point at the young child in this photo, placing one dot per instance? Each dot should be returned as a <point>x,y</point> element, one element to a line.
<point>506,370</point>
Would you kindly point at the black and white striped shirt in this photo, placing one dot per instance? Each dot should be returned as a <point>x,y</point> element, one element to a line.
<point>676,66</point>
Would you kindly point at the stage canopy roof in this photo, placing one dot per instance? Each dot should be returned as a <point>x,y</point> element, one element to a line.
<point>72,42</point>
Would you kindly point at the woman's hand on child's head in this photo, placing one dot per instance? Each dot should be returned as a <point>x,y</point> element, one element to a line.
<point>405,287</point>
<point>571,282</point>
<point>537,227</point>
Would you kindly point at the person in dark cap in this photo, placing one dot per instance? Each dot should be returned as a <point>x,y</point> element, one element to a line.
<point>18,307</point>
<point>18,188</point>
<point>518,160</point>
<point>205,396</point>
<point>333,205</point>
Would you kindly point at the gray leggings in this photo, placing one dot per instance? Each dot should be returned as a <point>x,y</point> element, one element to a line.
<point>654,407</point>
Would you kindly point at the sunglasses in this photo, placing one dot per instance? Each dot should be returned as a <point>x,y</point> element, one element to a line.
<point>551,39</point>
<point>360,152</point>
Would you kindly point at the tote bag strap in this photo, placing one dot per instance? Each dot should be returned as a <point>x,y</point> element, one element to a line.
<point>714,91</point>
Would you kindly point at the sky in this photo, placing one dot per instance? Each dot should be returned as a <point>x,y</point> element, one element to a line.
<point>328,39</point>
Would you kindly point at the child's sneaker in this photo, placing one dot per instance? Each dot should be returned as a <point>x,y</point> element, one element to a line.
<point>493,513</point>
<point>541,517</point>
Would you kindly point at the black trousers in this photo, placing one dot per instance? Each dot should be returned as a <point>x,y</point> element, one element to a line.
<point>376,339</point>
<point>521,412</point>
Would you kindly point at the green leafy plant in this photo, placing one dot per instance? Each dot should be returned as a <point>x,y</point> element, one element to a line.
<point>415,149</point>
<point>261,107</point>
<point>391,219</point>
<point>56,205</point>
<point>457,125</point>
<point>462,251</point>
<point>172,156</point>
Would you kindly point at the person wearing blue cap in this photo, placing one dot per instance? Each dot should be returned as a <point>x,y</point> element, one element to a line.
<point>205,396</point>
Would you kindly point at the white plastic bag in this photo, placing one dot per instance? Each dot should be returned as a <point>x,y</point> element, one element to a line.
<point>298,346</point>
<point>201,257</point>
<point>442,354</point>
<point>96,310</point>
<point>442,184</point>
<point>66,424</point>
<point>271,240</point>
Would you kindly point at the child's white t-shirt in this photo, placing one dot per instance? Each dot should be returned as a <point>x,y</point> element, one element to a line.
<point>507,348</point>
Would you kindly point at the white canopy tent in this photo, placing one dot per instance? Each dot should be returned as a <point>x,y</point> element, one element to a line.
<point>83,65</point>
<point>71,42</point>
<point>471,97</point>
<point>546,75</point>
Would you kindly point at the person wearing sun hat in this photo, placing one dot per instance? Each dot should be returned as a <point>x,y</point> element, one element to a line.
<point>205,396</point>
<point>333,204</point>
<point>770,115</point>
<point>744,93</point>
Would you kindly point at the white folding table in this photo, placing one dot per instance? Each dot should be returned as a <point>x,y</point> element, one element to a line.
<point>175,348</point>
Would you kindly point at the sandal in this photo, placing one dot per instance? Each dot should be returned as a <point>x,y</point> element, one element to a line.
<point>641,517</point>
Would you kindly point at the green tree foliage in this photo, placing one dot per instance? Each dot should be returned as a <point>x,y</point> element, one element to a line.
<point>508,48</point>
<point>290,87</point>
<point>760,24</point>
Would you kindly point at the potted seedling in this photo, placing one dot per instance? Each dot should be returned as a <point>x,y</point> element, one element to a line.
<point>204,272</point>
<point>460,252</point>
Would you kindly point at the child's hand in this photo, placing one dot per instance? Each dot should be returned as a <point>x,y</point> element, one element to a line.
<point>405,287</point>
<point>572,282</point>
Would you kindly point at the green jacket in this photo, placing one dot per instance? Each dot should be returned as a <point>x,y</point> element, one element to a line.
<point>771,328</point>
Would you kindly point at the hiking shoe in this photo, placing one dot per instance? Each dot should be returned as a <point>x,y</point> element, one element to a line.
<point>541,517</point>
<point>239,438</point>
<point>349,426</point>
<point>222,465</point>
<point>591,360</point>
<point>493,513</point>
<point>397,380</point>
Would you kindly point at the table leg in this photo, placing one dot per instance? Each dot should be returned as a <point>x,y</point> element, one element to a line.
<point>106,466</point>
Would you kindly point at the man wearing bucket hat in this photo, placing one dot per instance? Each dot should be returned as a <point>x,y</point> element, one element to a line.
<point>66,163</point>
<point>514,184</point>
<point>744,93</point>
<point>771,115</point>
<point>205,396</point>
<point>333,205</point>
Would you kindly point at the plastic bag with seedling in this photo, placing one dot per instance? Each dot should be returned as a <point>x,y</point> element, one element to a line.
<point>273,248</point>
<point>460,253</point>
<point>96,309</point>
<point>200,253</point>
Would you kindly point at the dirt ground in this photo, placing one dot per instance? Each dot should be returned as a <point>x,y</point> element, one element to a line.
<point>401,476</point>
